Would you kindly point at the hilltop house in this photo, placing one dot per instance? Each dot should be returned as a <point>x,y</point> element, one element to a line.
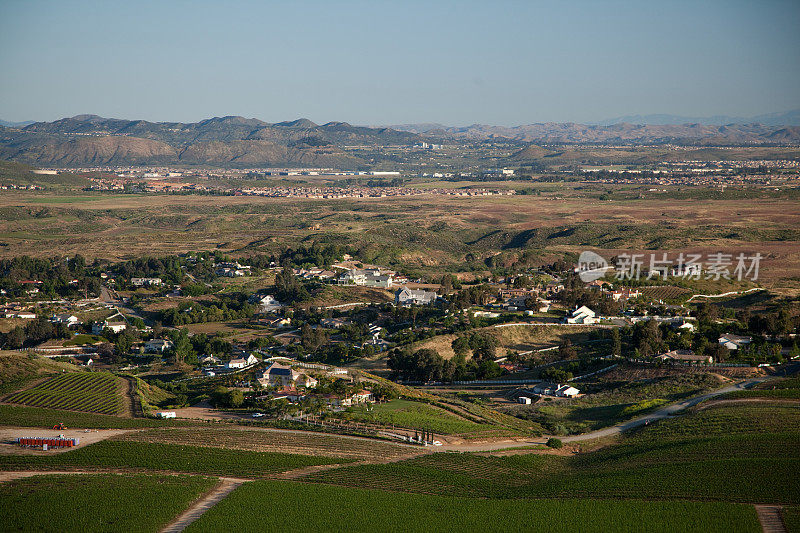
<point>371,277</point>
<point>582,315</point>
<point>406,296</point>
<point>145,282</point>
<point>116,326</point>
<point>556,389</point>
<point>734,342</point>
<point>157,345</point>
<point>242,362</point>
<point>66,318</point>
<point>284,376</point>
<point>686,356</point>
<point>267,303</point>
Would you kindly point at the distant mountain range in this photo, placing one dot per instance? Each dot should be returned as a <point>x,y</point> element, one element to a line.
<point>618,133</point>
<point>88,140</point>
<point>238,142</point>
<point>788,118</point>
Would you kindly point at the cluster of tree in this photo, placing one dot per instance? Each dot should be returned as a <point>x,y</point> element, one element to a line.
<point>427,365</point>
<point>34,332</point>
<point>475,295</point>
<point>288,288</point>
<point>231,307</point>
<point>595,300</point>
<point>313,338</point>
<point>480,345</point>
<point>167,268</point>
<point>61,276</point>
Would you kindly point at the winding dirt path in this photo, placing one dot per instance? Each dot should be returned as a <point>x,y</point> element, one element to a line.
<point>204,503</point>
<point>770,518</point>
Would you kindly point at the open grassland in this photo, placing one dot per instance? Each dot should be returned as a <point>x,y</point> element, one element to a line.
<point>425,233</point>
<point>305,443</point>
<point>93,392</point>
<point>104,502</point>
<point>350,509</point>
<point>726,453</point>
<point>139,456</point>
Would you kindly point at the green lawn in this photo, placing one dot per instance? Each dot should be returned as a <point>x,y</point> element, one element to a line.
<point>104,502</point>
<point>323,508</point>
<point>168,457</point>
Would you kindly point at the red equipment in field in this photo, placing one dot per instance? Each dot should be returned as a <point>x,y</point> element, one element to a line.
<point>56,442</point>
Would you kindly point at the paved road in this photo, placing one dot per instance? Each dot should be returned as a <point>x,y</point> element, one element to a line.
<point>658,414</point>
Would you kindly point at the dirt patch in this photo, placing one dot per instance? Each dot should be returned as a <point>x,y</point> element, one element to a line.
<point>8,436</point>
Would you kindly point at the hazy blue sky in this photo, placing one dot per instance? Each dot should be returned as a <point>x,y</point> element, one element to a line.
<point>374,62</point>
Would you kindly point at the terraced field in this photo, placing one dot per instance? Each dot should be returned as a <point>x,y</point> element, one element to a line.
<point>92,392</point>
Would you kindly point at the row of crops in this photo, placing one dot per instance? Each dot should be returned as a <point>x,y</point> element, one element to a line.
<point>79,391</point>
<point>747,454</point>
<point>346,509</point>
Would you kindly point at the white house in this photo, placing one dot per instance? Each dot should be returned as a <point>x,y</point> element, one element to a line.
<point>157,345</point>
<point>582,315</point>
<point>69,320</point>
<point>242,362</point>
<point>406,296</point>
<point>145,282</point>
<point>267,303</point>
<point>115,327</point>
<point>556,389</point>
<point>734,342</point>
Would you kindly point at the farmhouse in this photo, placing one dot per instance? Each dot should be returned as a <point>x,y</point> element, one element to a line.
<point>157,345</point>
<point>406,296</point>
<point>242,362</point>
<point>145,282</point>
<point>69,320</point>
<point>582,315</point>
<point>371,277</point>
<point>556,389</point>
<point>115,327</point>
<point>284,376</point>
<point>267,303</point>
<point>734,342</point>
<point>625,293</point>
<point>687,356</point>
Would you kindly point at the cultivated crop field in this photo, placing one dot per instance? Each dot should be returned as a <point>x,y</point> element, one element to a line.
<point>274,441</point>
<point>105,502</point>
<point>350,509</point>
<point>23,416</point>
<point>725,453</point>
<point>138,456</point>
<point>93,392</point>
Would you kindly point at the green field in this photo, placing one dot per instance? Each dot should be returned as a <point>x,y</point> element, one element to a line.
<point>791,517</point>
<point>95,392</point>
<point>104,502</point>
<point>725,454</point>
<point>168,457</point>
<point>321,508</point>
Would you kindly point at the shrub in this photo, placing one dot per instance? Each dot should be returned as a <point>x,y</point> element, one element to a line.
<point>555,443</point>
